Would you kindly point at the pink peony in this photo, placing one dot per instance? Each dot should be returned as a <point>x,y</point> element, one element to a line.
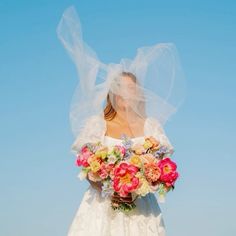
<point>124,180</point>
<point>168,171</point>
<point>82,157</point>
<point>119,149</point>
<point>105,170</point>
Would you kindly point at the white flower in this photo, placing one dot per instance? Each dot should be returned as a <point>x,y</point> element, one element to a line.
<point>161,198</point>
<point>82,175</point>
<point>107,189</point>
<point>144,188</point>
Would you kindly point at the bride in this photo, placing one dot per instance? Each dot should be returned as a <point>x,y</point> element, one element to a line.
<point>133,98</point>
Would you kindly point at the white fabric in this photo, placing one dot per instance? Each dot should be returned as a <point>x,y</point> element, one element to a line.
<point>95,216</point>
<point>95,129</point>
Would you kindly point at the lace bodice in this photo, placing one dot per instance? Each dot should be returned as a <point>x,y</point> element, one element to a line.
<point>95,129</point>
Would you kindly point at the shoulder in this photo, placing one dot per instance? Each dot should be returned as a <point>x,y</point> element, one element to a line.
<point>95,120</point>
<point>91,131</point>
<point>94,126</point>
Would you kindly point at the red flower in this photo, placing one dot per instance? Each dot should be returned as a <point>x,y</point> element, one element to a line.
<point>168,171</point>
<point>82,157</point>
<point>124,180</point>
<point>105,170</point>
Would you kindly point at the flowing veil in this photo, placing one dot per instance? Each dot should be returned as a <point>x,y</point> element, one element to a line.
<point>160,78</point>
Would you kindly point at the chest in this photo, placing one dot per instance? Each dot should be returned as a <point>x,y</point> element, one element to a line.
<point>116,130</point>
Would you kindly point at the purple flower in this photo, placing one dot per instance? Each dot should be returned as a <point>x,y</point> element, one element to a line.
<point>126,141</point>
<point>160,152</point>
<point>107,189</point>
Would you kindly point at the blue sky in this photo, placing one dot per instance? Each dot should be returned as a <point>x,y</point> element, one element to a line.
<point>40,192</point>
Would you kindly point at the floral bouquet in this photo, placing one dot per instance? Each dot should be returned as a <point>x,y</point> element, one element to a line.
<point>128,168</point>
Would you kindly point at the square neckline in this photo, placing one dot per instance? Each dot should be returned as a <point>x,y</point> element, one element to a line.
<point>106,136</point>
<point>138,137</point>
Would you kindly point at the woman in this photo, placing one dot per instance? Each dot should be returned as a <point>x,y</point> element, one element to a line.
<point>139,99</point>
<point>117,125</point>
<point>95,216</point>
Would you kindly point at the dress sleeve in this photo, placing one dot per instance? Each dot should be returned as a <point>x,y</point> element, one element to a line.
<point>156,130</point>
<point>91,132</point>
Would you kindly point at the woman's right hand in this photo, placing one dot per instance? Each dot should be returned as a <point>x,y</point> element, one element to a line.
<point>96,185</point>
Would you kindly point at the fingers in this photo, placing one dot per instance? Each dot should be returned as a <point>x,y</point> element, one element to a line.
<point>123,200</point>
<point>118,198</point>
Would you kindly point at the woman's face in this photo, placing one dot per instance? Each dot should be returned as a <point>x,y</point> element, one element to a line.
<point>128,90</point>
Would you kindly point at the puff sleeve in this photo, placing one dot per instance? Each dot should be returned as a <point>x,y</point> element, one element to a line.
<point>91,132</point>
<point>155,129</point>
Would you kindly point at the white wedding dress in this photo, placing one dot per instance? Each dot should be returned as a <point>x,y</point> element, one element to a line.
<point>95,217</point>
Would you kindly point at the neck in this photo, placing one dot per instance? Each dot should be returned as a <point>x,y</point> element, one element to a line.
<point>121,116</point>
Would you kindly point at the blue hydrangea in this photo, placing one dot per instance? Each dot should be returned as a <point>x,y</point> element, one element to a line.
<point>107,189</point>
<point>162,150</point>
<point>126,141</point>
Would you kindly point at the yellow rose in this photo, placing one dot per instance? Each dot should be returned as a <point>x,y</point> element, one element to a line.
<point>152,142</point>
<point>101,153</point>
<point>91,158</point>
<point>147,144</point>
<point>95,166</point>
<point>138,149</point>
<point>135,160</point>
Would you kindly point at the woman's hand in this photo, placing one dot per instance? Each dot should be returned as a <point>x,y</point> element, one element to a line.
<point>96,185</point>
<point>117,198</point>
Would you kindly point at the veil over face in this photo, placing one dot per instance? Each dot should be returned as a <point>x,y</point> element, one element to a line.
<point>152,84</point>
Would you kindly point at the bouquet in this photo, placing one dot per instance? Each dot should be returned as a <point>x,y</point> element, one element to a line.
<point>128,168</point>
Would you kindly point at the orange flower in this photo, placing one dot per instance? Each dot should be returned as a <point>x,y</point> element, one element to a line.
<point>138,149</point>
<point>151,142</point>
<point>147,158</point>
<point>152,172</point>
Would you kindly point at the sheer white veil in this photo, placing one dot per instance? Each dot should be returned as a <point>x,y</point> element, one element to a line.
<point>155,86</point>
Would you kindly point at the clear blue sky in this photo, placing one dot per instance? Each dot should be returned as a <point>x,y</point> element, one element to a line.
<point>40,191</point>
